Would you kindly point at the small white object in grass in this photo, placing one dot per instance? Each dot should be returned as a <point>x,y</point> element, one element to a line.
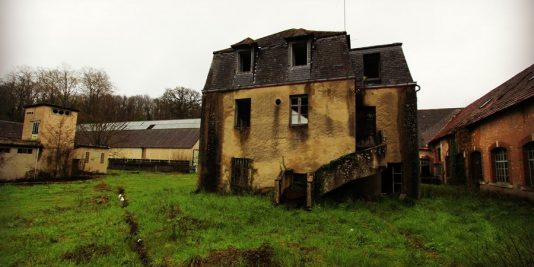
<point>351,229</point>
<point>120,195</point>
<point>122,199</point>
<point>139,240</point>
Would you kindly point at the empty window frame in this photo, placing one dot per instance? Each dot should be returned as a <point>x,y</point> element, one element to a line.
<point>101,158</point>
<point>366,127</point>
<point>241,172</point>
<point>300,53</point>
<point>5,150</point>
<point>424,167</point>
<point>244,60</point>
<point>24,150</point>
<point>529,164</point>
<point>242,113</point>
<point>299,110</point>
<point>35,127</point>
<point>500,165</point>
<point>86,160</point>
<point>371,66</point>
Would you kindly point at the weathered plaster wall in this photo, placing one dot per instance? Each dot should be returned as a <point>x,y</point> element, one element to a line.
<point>152,153</point>
<point>94,165</point>
<point>16,165</point>
<point>50,124</point>
<point>386,101</point>
<point>271,141</point>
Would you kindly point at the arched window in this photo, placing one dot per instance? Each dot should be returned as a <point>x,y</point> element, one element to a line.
<point>529,164</point>
<point>500,165</point>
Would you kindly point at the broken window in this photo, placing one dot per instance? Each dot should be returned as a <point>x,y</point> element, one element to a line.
<point>242,113</point>
<point>529,156</point>
<point>392,178</point>
<point>299,110</point>
<point>500,165</point>
<point>371,66</point>
<point>245,60</point>
<point>86,160</point>
<point>241,172</point>
<point>35,127</point>
<point>300,53</point>
<point>150,126</point>
<point>366,127</point>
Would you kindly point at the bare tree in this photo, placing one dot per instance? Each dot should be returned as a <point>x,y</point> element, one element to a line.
<point>58,142</point>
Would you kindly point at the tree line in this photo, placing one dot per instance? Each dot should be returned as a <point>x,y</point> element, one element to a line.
<point>91,91</point>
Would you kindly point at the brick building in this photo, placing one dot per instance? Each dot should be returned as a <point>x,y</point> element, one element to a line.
<point>429,122</point>
<point>490,143</point>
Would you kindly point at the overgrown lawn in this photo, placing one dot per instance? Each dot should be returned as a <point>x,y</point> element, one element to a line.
<point>83,223</point>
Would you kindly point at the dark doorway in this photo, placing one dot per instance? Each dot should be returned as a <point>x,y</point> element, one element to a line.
<point>425,167</point>
<point>366,127</point>
<point>241,174</point>
<point>475,168</point>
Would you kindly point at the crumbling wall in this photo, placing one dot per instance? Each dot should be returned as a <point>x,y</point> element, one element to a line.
<point>210,142</point>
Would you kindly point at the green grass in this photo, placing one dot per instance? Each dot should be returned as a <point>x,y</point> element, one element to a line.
<point>78,223</point>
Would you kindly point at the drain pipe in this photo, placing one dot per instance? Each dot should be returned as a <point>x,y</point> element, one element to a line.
<point>36,163</point>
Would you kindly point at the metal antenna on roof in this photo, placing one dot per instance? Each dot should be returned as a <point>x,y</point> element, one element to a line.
<point>344,17</point>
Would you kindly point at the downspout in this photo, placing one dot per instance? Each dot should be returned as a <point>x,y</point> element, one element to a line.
<point>36,164</point>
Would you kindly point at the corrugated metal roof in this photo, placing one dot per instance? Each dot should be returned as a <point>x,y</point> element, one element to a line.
<point>159,124</point>
<point>512,92</point>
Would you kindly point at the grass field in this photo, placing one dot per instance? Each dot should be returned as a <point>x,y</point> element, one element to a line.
<point>165,224</point>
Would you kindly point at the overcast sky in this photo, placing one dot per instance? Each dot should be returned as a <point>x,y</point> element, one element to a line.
<point>457,50</point>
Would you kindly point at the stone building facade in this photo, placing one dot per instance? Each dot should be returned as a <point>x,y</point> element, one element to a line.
<point>301,113</point>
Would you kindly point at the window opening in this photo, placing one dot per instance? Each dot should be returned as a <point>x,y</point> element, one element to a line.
<point>5,150</point>
<point>245,61</point>
<point>501,165</point>
<point>299,52</point>
<point>241,172</point>
<point>35,127</point>
<point>371,66</point>
<point>366,127</point>
<point>299,110</point>
<point>101,158</point>
<point>242,113</point>
<point>425,167</point>
<point>24,150</point>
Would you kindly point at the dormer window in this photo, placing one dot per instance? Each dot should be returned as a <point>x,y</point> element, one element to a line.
<point>371,66</point>
<point>245,60</point>
<point>300,53</point>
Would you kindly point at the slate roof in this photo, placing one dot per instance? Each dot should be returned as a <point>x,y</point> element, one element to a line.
<point>430,121</point>
<point>50,105</point>
<point>10,129</point>
<point>153,138</point>
<point>329,60</point>
<point>516,90</point>
<point>393,66</point>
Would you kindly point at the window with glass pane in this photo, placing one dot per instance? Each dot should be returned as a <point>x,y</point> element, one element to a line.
<point>299,110</point>
<point>529,151</point>
<point>501,165</point>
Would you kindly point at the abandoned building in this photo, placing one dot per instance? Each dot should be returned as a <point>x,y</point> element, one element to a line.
<point>43,146</point>
<point>429,123</point>
<point>490,143</point>
<point>301,113</point>
<point>158,145</point>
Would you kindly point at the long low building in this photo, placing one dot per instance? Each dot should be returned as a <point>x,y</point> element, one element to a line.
<point>152,145</point>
